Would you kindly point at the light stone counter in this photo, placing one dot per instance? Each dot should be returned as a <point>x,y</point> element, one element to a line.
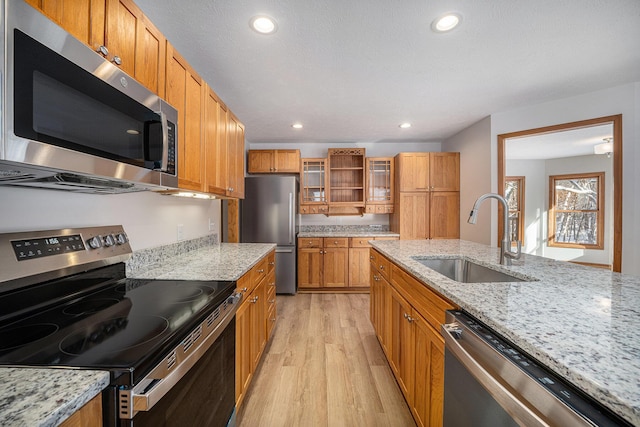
<point>228,261</point>
<point>347,234</point>
<point>581,322</point>
<point>46,397</point>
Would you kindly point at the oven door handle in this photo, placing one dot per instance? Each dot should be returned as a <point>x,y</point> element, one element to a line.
<point>511,404</point>
<point>154,386</point>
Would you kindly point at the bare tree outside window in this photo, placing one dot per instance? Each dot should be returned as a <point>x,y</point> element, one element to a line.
<point>576,213</point>
<point>514,194</point>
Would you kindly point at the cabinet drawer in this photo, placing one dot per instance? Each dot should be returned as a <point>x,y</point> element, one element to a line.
<point>430,305</point>
<point>336,242</point>
<point>360,242</point>
<point>310,242</point>
<point>384,266</point>
<point>271,261</point>
<point>259,271</point>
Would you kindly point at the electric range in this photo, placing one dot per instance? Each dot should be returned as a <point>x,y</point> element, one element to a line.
<point>68,303</point>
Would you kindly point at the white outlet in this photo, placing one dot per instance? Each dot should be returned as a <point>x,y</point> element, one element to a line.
<point>212,225</point>
<point>180,232</point>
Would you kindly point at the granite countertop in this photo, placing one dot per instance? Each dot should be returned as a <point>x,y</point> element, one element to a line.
<point>338,233</point>
<point>228,261</point>
<point>581,322</point>
<point>46,397</point>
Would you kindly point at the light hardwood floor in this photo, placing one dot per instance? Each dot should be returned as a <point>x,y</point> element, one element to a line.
<point>324,367</point>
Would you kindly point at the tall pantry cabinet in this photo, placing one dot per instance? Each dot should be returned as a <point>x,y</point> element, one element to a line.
<point>427,196</point>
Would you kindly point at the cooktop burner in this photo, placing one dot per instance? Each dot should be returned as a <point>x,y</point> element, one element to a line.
<point>15,337</point>
<point>89,306</point>
<point>127,334</point>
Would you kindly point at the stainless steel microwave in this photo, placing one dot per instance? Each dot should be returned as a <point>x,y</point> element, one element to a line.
<point>72,120</point>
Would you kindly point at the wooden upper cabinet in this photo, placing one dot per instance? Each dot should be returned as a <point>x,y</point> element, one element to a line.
<point>185,91</point>
<point>346,176</point>
<point>428,171</point>
<point>273,161</point>
<point>444,171</point>
<point>216,145</point>
<point>83,19</point>
<point>412,170</point>
<point>235,138</point>
<point>132,41</point>
<point>140,47</point>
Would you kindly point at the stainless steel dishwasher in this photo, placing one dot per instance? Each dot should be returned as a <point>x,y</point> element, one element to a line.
<point>489,382</point>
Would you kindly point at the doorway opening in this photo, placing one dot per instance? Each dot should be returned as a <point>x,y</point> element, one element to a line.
<point>536,140</point>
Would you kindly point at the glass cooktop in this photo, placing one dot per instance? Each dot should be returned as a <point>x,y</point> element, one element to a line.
<point>120,324</point>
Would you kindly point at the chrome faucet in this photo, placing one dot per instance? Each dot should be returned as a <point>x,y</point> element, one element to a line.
<point>506,255</point>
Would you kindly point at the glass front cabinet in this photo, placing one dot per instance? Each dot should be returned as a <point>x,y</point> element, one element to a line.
<point>379,190</point>
<point>313,187</point>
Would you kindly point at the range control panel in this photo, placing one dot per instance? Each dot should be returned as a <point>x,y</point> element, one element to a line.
<point>34,256</point>
<point>53,245</point>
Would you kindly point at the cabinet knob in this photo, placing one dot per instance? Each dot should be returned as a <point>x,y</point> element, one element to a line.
<point>272,301</point>
<point>261,270</point>
<point>102,50</point>
<point>116,60</point>
<point>371,257</point>
<point>272,263</point>
<point>381,267</point>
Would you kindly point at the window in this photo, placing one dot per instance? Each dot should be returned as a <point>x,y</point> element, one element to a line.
<point>514,193</point>
<point>576,210</point>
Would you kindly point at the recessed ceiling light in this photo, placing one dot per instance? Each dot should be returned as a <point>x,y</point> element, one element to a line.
<point>446,22</point>
<point>263,24</point>
<point>297,125</point>
<point>404,125</point>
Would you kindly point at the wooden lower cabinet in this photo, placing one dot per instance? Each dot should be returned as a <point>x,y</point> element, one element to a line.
<point>253,321</point>
<point>90,415</point>
<point>405,315</point>
<point>335,263</point>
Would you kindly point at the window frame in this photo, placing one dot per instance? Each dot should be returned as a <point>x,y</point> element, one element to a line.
<point>520,211</point>
<point>551,219</point>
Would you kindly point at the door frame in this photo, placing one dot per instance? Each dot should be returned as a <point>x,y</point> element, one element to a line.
<point>616,121</point>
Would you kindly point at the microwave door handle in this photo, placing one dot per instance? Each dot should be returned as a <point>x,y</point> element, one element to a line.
<point>165,141</point>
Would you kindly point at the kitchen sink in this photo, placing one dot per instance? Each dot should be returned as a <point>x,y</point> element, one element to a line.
<point>465,271</point>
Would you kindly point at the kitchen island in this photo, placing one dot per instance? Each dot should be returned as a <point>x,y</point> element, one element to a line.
<point>46,397</point>
<point>582,323</point>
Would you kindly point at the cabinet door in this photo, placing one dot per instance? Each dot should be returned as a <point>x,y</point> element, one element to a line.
<point>429,374</point>
<point>83,19</point>
<point>243,348</point>
<point>258,322</point>
<point>358,267</point>
<point>122,19</point>
<point>444,171</point>
<point>235,138</point>
<point>412,171</point>
<point>150,56</point>
<point>260,161</point>
<point>215,136</point>
<point>402,352</point>
<point>310,267</point>
<point>444,215</point>
<point>185,92</point>
<point>336,267</point>
<point>287,161</point>
<point>413,215</point>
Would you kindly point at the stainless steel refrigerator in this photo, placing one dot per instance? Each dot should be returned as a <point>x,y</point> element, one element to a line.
<point>268,215</point>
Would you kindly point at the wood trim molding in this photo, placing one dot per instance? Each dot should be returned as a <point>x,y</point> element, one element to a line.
<point>616,121</point>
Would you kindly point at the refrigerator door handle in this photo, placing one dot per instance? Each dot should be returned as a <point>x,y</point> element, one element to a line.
<point>291,214</point>
<point>285,251</point>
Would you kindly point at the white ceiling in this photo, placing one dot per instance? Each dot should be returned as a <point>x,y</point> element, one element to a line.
<point>568,143</point>
<point>353,70</point>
